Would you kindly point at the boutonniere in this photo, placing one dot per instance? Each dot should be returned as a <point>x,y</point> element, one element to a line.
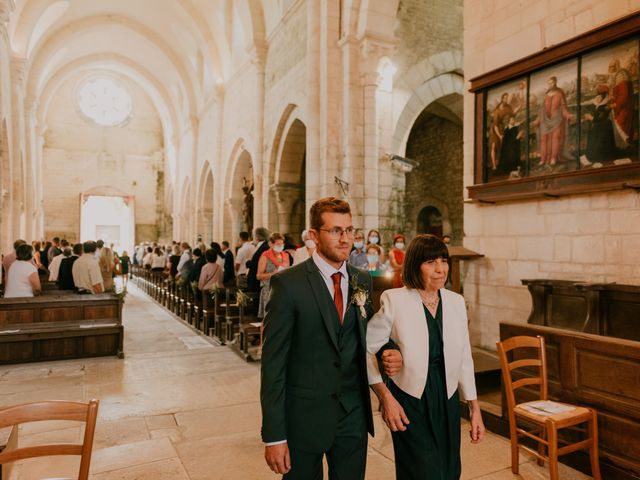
<point>359,296</point>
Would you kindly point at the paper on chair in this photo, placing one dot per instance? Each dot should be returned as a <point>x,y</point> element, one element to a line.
<point>547,407</point>
<point>255,324</point>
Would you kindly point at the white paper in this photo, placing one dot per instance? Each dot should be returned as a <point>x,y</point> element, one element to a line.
<point>547,407</point>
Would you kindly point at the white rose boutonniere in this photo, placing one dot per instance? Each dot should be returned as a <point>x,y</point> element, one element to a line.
<point>359,297</point>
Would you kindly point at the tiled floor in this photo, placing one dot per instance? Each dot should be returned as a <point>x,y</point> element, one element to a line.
<point>178,408</point>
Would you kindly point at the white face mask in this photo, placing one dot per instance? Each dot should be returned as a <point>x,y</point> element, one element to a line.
<point>372,258</point>
<point>400,245</point>
<point>374,240</point>
<point>310,243</point>
<point>278,248</point>
<point>358,245</point>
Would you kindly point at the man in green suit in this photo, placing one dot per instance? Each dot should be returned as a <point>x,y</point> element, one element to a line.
<point>314,393</point>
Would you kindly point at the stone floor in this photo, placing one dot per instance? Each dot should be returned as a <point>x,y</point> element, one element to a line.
<point>178,407</point>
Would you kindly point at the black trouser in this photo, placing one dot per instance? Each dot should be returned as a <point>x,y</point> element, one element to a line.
<point>346,458</point>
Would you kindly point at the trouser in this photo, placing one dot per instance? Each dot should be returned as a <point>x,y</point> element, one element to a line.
<point>346,457</point>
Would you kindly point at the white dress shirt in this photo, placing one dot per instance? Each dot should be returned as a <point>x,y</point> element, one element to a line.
<point>245,252</point>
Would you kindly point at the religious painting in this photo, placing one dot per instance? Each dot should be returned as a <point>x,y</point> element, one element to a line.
<point>609,106</point>
<point>553,110</point>
<point>506,117</point>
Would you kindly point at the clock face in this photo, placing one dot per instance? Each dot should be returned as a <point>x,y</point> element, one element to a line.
<point>104,102</point>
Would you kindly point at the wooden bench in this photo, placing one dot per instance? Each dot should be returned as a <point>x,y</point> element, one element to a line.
<point>599,372</point>
<point>60,326</point>
<point>249,334</point>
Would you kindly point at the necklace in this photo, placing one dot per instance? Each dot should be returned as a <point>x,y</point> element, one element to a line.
<point>431,304</point>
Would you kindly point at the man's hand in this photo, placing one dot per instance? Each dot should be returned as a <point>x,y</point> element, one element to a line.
<point>277,457</point>
<point>392,362</point>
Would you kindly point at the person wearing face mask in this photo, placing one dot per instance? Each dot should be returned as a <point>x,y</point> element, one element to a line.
<point>358,257</point>
<point>374,239</point>
<point>374,265</point>
<point>396,259</point>
<point>303,253</point>
<point>272,261</point>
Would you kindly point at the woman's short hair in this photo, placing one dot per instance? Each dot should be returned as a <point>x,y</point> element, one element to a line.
<point>275,236</point>
<point>423,248</point>
<point>329,204</point>
<point>24,252</point>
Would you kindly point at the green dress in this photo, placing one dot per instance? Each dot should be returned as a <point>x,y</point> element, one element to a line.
<point>430,447</point>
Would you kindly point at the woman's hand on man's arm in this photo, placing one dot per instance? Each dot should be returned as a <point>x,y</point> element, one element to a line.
<point>392,412</point>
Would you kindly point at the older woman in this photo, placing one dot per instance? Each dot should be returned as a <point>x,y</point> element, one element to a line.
<point>212,273</point>
<point>421,404</point>
<point>22,277</point>
<point>105,261</point>
<point>396,259</point>
<point>304,253</point>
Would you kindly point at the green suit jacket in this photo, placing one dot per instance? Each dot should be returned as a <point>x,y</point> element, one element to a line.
<point>301,381</point>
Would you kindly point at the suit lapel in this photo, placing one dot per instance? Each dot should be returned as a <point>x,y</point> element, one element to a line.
<point>323,299</point>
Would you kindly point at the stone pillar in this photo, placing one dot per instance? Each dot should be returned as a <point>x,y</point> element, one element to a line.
<point>18,69</point>
<point>194,124</point>
<point>219,187</point>
<point>286,195</point>
<point>314,166</point>
<point>260,180</point>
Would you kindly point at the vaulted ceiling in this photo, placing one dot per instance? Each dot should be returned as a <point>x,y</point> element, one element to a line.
<point>178,50</point>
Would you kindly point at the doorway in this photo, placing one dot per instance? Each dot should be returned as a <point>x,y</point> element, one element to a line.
<point>108,218</point>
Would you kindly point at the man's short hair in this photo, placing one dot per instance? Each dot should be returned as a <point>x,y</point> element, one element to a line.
<point>89,246</point>
<point>324,205</point>
<point>244,236</point>
<point>66,252</point>
<point>17,243</point>
<point>56,240</point>
<point>77,249</point>
<point>225,244</point>
<point>64,243</point>
<point>261,234</point>
<point>100,243</point>
<point>197,252</point>
<point>24,252</point>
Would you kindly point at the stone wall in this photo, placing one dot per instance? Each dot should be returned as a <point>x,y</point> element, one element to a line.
<point>80,156</point>
<point>593,237</point>
<point>437,144</point>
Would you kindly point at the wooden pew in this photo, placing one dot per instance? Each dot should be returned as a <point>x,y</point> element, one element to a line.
<point>60,326</point>
<point>599,372</point>
<point>248,334</point>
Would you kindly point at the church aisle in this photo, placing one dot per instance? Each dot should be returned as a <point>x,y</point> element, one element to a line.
<point>178,407</point>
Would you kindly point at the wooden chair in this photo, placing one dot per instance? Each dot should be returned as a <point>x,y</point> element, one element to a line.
<point>545,426</point>
<point>49,410</point>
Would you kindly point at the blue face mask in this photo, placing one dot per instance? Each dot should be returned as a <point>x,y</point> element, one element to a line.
<point>372,258</point>
<point>358,245</point>
<point>278,248</point>
<point>374,240</point>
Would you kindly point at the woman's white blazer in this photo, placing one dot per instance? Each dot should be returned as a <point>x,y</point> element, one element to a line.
<point>401,318</point>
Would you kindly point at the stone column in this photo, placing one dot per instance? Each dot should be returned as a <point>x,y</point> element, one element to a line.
<point>286,194</point>
<point>219,187</point>
<point>18,69</point>
<point>194,125</point>
<point>260,180</point>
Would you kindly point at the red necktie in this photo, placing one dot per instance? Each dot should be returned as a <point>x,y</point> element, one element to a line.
<point>337,293</point>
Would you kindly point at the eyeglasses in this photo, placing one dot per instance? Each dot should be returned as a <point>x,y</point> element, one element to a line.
<point>337,232</point>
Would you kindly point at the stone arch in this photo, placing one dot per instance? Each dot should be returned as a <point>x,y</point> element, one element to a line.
<point>433,78</point>
<point>238,212</point>
<point>287,175</point>
<point>205,201</point>
<point>122,66</point>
